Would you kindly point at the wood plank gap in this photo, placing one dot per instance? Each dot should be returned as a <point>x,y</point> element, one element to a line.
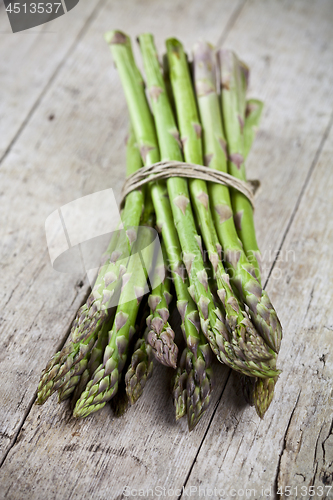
<point>30,405</point>
<point>19,427</point>
<point>204,436</point>
<point>300,196</point>
<point>230,24</point>
<point>284,447</point>
<point>51,79</point>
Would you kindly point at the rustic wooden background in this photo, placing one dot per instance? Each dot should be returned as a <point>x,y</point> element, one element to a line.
<point>63,123</point>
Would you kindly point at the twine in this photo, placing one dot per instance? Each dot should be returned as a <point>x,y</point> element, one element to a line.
<point>167,169</point>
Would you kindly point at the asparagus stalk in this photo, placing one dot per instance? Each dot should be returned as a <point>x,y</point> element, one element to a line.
<point>253,113</point>
<point>234,81</point>
<point>94,312</point>
<point>235,74</point>
<point>160,335</point>
<point>146,137</point>
<point>104,383</point>
<point>177,187</point>
<point>194,379</point>
<point>263,389</point>
<point>192,383</point>
<point>56,374</point>
<point>94,359</point>
<point>121,401</point>
<point>140,369</point>
<point>241,271</point>
<point>242,348</point>
<point>179,390</point>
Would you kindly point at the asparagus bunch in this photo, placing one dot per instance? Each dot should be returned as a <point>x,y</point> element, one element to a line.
<point>193,218</point>
<point>146,137</point>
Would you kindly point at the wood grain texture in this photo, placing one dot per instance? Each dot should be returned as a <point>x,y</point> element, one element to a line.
<point>29,61</point>
<point>288,47</point>
<point>307,456</point>
<point>292,446</point>
<point>239,450</point>
<point>79,151</point>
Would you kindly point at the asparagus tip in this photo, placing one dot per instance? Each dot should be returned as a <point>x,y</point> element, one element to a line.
<point>263,395</point>
<point>115,37</point>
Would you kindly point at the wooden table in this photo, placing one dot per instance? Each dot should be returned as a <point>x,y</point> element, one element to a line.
<point>63,124</point>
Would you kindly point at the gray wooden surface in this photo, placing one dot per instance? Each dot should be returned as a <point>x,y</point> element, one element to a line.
<point>63,122</point>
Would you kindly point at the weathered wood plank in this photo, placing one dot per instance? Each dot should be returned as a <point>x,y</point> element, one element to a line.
<point>29,61</point>
<point>240,451</point>
<point>287,46</point>
<point>307,456</point>
<point>54,162</point>
<point>292,446</point>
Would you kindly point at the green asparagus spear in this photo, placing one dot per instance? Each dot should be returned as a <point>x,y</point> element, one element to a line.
<point>179,391</point>
<point>241,271</point>
<point>235,108</point>
<point>122,400</point>
<point>215,157</point>
<point>94,359</point>
<point>263,389</point>
<point>253,113</point>
<point>78,382</point>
